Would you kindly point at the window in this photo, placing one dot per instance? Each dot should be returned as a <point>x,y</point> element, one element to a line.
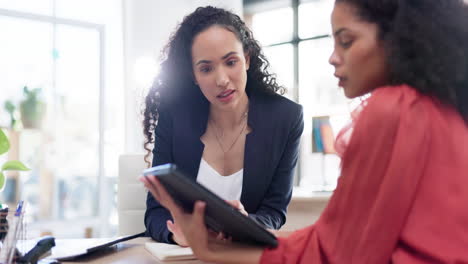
<point>72,51</point>
<point>298,51</point>
<point>268,20</point>
<point>282,63</point>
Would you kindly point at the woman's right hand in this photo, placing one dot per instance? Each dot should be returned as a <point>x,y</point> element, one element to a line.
<point>179,237</point>
<point>177,234</point>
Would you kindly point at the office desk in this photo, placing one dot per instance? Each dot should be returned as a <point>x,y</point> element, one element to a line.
<point>132,251</point>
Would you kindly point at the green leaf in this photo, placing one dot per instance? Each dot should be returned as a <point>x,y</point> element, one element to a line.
<point>14,165</point>
<point>2,181</point>
<point>4,143</point>
<point>9,107</point>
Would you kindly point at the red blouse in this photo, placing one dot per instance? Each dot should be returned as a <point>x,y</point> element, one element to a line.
<point>403,192</point>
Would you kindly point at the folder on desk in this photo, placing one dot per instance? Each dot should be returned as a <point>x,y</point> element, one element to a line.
<point>169,252</point>
<point>72,249</point>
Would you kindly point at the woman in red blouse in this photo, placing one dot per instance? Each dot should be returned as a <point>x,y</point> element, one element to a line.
<point>403,192</point>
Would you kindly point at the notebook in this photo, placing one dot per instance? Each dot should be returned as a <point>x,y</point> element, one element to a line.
<point>169,252</point>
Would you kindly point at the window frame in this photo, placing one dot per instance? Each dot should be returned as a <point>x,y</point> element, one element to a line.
<point>295,42</point>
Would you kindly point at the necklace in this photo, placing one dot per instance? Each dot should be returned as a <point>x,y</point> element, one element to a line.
<point>218,139</point>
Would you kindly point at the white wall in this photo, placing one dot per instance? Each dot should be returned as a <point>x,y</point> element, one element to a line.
<point>147,25</point>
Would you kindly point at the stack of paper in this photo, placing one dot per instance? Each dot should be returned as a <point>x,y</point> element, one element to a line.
<point>168,252</point>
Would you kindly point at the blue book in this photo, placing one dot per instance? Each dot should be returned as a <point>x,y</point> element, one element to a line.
<point>317,144</point>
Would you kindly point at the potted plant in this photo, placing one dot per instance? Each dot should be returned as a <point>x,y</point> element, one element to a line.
<point>7,166</point>
<point>10,108</point>
<point>32,109</point>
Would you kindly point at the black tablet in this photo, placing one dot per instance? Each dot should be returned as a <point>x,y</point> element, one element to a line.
<point>219,215</point>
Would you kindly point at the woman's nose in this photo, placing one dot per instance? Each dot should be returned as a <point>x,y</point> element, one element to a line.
<point>222,79</point>
<point>334,59</point>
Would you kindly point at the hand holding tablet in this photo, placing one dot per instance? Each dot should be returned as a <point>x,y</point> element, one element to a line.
<point>218,214</point>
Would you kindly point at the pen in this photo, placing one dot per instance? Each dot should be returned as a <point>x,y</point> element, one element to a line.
<point>19,208</point>
<point>14,230</point>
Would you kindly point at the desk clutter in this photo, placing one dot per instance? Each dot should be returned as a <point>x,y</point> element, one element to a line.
<point>12,229</point>
<point>74,249</point>
<point>13,248</point>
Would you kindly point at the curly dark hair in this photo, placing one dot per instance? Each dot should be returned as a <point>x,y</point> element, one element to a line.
<point>426,42</point>
<point>176,74</point>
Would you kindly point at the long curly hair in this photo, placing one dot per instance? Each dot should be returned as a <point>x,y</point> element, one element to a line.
<point>176,74</point>
<point>426,44</point>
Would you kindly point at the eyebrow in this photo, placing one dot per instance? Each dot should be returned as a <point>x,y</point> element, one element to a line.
<point>224,57</point>
<point>339,31</point>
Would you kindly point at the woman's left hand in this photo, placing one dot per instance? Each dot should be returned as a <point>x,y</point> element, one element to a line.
<point>238,205</point>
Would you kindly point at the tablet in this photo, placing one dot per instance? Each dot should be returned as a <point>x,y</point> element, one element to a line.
<point>219,215</point>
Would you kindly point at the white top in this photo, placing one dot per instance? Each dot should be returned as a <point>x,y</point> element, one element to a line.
<point>227,187</point>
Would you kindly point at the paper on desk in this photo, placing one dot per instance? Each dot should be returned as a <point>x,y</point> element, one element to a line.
<point>64,248</point>
<point>168,252</point>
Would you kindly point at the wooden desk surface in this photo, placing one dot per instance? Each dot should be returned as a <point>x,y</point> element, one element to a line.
<point>132,251</point>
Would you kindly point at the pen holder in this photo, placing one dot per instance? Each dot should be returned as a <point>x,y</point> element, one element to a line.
<point>3,223</point>
<point>12,229</point>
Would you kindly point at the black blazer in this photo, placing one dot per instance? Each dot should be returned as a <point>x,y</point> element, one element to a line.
<point>271,152</point>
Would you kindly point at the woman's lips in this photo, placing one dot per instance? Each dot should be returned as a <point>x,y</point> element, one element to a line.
<point>342,81</point>
<point>226,96</point>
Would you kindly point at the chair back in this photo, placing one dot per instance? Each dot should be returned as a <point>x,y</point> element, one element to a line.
<point>131,194</point>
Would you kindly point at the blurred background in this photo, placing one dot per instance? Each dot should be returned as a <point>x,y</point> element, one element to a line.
<point>73,75</point>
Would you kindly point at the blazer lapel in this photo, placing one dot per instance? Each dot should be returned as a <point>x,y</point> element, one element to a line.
<point>254,156</point>
<point>196,121</point>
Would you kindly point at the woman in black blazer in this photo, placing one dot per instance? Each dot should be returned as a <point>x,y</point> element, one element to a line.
<point>214,75</point>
